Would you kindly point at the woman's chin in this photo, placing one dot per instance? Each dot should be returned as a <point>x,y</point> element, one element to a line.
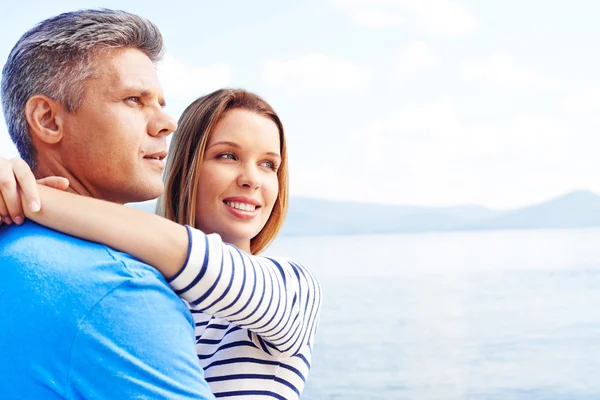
<point>242,242</point>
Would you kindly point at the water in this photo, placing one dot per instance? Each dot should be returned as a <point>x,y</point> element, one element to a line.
<point>505,315</point>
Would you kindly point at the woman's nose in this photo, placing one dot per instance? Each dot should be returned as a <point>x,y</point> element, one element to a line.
<point>249,177</point>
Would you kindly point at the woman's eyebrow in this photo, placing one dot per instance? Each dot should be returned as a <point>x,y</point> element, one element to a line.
<point>232,144</point>
<point>237,146</point>
<point>273,154</point>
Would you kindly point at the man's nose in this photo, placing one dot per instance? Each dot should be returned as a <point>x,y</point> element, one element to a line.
<point>162,124</point>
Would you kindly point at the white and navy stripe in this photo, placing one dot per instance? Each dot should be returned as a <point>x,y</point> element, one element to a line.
<point>256,318</point>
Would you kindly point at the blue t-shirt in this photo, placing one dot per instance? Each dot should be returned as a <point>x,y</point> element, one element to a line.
<point>81,320</point>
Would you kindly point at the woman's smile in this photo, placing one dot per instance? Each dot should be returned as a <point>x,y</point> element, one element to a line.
<point>237,177</point>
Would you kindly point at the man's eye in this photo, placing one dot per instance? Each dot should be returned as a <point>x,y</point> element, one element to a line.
<point>133,99</point>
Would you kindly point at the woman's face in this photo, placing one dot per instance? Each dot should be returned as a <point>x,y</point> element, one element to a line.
<point>238,183</point>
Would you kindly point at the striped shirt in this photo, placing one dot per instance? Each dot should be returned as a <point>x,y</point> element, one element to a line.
<point>256,318</point>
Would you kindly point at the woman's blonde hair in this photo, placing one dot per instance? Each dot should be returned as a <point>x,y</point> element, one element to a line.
<point>195,127</point>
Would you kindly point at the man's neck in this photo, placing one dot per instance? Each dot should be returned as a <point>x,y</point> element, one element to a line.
<point>48,168</point>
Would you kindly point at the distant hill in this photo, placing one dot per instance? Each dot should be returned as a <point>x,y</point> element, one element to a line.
<point>309,216</point>
<point>573,210</point>
<point>312,216</point>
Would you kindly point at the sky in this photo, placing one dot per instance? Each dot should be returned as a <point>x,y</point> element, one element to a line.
<point>420,102</point>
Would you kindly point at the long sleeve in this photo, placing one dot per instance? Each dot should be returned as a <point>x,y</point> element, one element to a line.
<point>277,299</point>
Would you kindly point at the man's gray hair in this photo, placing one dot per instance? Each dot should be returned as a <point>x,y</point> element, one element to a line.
<point>56,57</point>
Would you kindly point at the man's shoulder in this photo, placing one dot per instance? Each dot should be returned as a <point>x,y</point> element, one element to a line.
<point>67,303</point>
<point>39,240</point>
<point>32,246</point>
<point>57,271</point>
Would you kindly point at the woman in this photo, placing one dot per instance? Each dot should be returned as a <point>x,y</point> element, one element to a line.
<point>226,176</point>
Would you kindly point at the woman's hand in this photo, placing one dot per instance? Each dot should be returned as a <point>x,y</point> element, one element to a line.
<point>18,189</point>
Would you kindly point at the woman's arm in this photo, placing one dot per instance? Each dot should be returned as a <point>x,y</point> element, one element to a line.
<point>148,237</point>
<point>278,300</point>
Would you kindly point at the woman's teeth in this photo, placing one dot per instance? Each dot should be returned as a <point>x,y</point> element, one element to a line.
<point>241,206</point>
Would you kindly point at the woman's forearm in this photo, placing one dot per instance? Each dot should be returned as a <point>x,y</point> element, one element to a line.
<point>148,237</point>
<point>277,299</point>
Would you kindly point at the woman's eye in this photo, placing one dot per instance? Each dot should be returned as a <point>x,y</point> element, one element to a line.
<point>269,164</point>
<point>227,156</point>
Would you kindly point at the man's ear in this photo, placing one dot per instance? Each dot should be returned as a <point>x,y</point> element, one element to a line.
<point>44,116</point>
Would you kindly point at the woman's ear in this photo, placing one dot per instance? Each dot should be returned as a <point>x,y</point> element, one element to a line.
<point>44,117</point>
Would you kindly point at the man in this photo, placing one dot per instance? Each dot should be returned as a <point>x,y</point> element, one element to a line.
<point>82,100</point>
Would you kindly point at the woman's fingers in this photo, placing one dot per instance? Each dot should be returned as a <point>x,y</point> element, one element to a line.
<point>56,182</point>
<point>4,217</point>
<point>9,191</point>
<point>27,184</point>
<point>18,188</point>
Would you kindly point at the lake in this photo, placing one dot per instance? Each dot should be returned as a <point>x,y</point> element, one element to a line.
<point>459,315</point>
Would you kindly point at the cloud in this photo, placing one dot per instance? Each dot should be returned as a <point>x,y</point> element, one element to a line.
<point>415,57</point>
<point>499,70</point>
<point>585,102</point>
<point>7,148</point>
<point>430,154</point>
<point>315,72</point>
<point>183,82</point>
<point>445,18</point>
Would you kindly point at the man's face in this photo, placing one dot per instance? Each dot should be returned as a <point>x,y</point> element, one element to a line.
<point>115,143</point>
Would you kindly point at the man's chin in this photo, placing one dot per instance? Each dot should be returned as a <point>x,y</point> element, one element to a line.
<point>148,193</point>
